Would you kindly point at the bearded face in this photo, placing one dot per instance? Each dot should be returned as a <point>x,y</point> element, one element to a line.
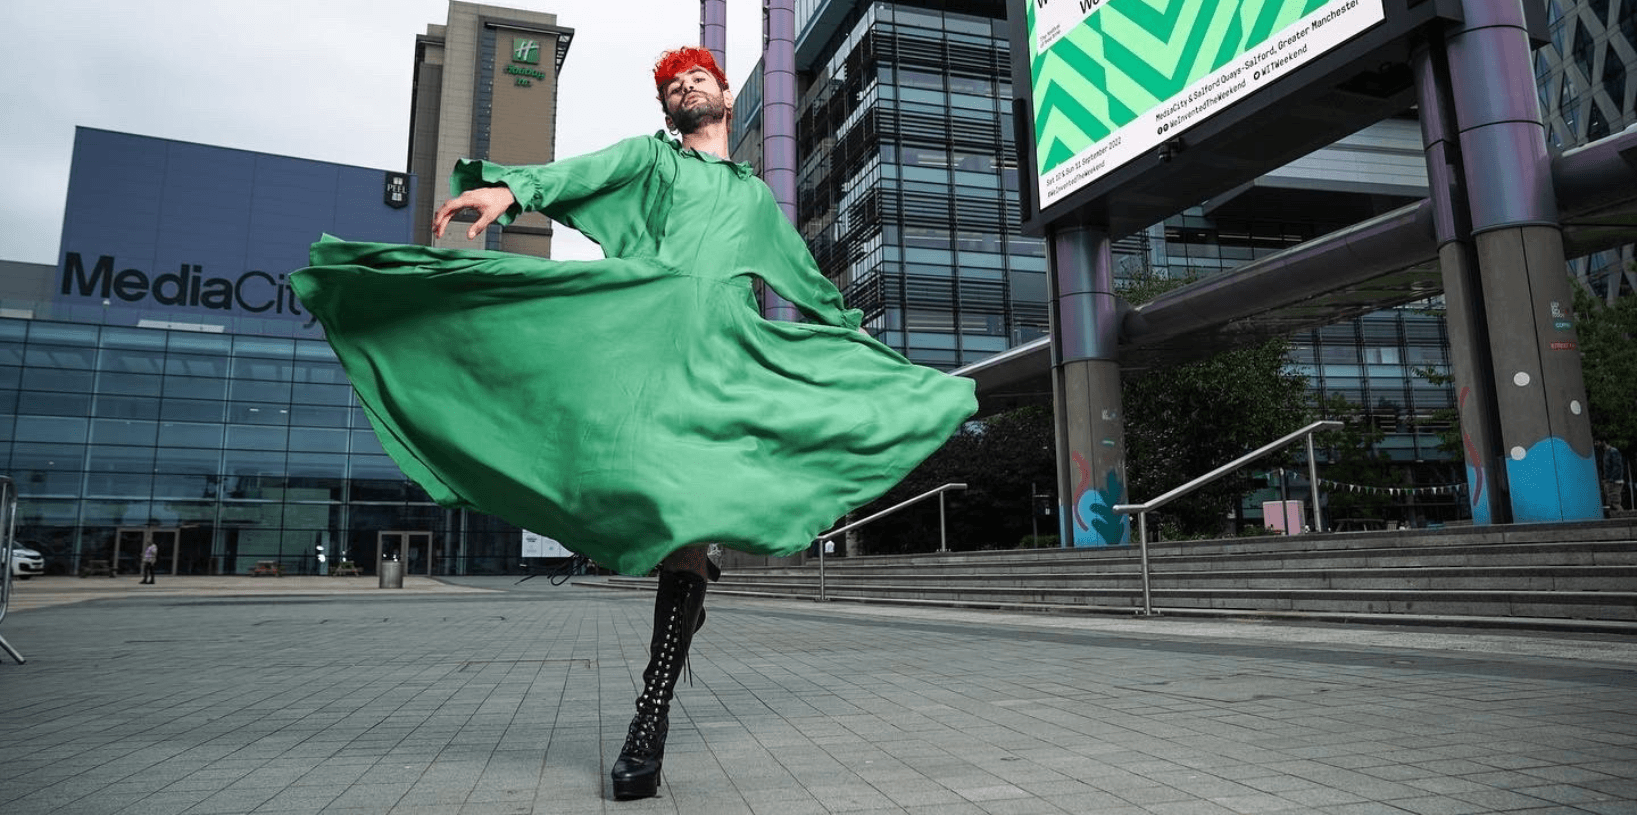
<point>694,99</point>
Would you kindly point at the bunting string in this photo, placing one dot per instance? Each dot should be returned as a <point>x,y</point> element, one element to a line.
<point>1434,489</point>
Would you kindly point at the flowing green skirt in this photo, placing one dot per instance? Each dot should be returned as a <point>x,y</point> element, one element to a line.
<point>618,406</point>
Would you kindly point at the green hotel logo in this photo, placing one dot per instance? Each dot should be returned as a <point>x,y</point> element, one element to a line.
<point>526,51</point>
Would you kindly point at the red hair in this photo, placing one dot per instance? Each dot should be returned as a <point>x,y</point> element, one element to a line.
<point>676,61</point>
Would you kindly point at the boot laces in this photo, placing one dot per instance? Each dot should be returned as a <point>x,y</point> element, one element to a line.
<point>646,734</point>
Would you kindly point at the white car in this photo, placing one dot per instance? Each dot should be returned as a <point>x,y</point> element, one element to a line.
<point>26,564</point>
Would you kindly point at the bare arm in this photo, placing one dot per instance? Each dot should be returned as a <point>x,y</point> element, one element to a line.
<point>490,203</point>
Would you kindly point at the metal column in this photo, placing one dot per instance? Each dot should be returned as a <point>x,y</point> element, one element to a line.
<point>1086,386</point>
<point>713,30</point>
<point>1470,362</point>
<point>1545,434</point>
<point>779,126</point>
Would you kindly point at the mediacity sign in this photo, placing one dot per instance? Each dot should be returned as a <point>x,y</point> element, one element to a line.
<point>254,292</point>
<point>1114,79</point>
<point>162,231</point>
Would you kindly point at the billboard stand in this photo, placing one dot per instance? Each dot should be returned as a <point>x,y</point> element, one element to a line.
<point>1468,332</point>
<point>1086,386</point>
<point>1545,429</point>
<point>1114,95</point>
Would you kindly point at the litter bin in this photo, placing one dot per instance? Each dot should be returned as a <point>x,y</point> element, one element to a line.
<point>392,574</point>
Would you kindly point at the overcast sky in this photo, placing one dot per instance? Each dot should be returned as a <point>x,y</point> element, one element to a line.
<point>318,79</point>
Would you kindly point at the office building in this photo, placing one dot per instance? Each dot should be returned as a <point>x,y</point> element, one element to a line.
<point>485,87</point>
<point>163,384</point>
<point>907,196</point>
<point>906,190</point>
<point>1585,94</point>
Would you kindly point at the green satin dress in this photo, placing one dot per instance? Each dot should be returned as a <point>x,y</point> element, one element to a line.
<point>630,406</point>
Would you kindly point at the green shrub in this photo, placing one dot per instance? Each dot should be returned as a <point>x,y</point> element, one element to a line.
<point>1038,542</point>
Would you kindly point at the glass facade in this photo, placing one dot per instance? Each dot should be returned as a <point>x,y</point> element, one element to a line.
<point>908,199</point>
<point>907,183</point>
<point>906,178</point>
<point>1584,95</point>
<point>234,449</point>
<point>199,408</point>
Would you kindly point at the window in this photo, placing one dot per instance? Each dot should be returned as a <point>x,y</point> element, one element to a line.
<point>1584,52</point>
<point>1614,79</point>
<point>1543,79</point>
<point>1567,102</point>
<point>1596,125</point>
<point>920,79</point>
<point>190,434</point>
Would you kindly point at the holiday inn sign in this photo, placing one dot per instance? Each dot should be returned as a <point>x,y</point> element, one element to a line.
<point>526,52</point>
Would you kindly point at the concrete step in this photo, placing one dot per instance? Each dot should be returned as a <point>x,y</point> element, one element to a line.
<point>1573,610</point>
<point>1580,576</point>
<point>1602,556</point>
<point>1206,556</point>
<point>1526,578</point>
<point>1578,534</point>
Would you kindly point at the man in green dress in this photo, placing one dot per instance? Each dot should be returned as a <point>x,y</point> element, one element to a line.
<point>636,407</point>
<point>698,105</point>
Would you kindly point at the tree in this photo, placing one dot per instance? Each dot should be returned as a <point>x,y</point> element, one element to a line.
<point>1353,459</point>
<point>1180,422</point>
<point>1000,459</point>
<point>1608,361</point>
<point>1186,420</point>
<point>1448,419</point>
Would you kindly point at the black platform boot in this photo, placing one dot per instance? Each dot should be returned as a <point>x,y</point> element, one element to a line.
<point>678,610</point>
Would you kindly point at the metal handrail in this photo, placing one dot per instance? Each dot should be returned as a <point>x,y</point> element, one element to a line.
<point>1143,509</point>
<point>943,543</point>
<point>8,545</point>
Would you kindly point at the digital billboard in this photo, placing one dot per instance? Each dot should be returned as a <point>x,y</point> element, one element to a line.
<point>1112,80</point>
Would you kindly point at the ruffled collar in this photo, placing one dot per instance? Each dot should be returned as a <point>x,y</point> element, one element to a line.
<point>740,168</point>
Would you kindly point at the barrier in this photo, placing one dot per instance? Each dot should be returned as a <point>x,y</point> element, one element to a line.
<point>8,528</point>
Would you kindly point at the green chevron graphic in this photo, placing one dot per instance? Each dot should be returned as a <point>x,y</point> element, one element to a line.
<point>1132,55</point>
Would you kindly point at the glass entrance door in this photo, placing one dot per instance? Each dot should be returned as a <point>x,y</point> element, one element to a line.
<point>414,548</point>
<point>127,555</point>
<point>167,540</point>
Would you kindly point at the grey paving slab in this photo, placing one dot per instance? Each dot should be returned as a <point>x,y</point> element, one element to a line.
<point>483,697</point>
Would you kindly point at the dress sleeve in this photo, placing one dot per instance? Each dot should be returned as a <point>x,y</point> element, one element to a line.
<point>789,269</point>
<point>556,189</point>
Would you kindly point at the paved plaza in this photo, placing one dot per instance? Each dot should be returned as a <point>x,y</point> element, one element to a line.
<point>475,695</point>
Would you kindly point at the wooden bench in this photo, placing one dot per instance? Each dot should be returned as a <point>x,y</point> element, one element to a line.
<point>265,567</point>
<point>91,567</point>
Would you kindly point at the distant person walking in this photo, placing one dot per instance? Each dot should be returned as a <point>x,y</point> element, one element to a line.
<point>150,556</point>
<point>1611,473</point>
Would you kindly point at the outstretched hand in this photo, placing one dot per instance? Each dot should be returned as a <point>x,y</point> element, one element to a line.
<point>490,203</point>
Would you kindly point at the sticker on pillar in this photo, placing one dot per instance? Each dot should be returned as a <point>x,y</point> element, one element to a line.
<point>1094,521</point>
<point>1560,320</point>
